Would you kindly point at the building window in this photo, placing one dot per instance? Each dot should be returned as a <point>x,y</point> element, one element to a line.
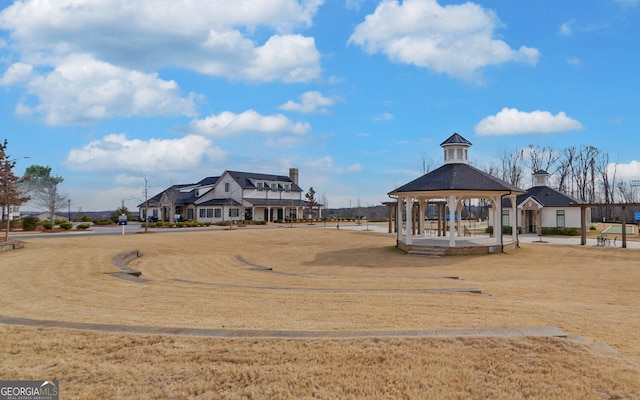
<point>260,186</point>
<point>445,154</point>
<point>459,154</point>
<point>560,218</point>
<point>234,212</point>
<point>274,187</point>
<point>202,213</point>
<point>209,212</point>
<point>287,187</point>
<point>218,213</point>
<point>505,218</point>
<point>226,186</point>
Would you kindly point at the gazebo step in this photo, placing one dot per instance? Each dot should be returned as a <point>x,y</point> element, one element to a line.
<point>428,251</point>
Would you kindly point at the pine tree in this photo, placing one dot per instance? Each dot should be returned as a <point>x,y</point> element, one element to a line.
<point>10,193</point>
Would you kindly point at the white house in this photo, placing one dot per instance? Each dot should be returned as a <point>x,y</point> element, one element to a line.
<point>13,214</point>
<point>543,207</point>
<point>232,196</point>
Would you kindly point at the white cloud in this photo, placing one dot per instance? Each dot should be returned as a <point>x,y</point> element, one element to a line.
<point>457,40</point>
<point>214,37</point>
<point>628,3</point>
<point>510,121</point>
<point>227,124</point>
<point>326,165</point>
<point>310,102</point>
<point>115,152</point>
<point>566,28</point>
<point>383,117</point>
<point>82,90</point>
<point>17,73</point>
<point>575,61</point>
<point>625,171</point>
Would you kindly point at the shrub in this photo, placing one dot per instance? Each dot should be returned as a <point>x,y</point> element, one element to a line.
<point>29,223</point>
<point>83,226</point>
<point>66,225</point>
<point>560,231</point>
<point>47,225</point>
<point>86,218</point>
<point>592,228</point>
<point>103,222</point>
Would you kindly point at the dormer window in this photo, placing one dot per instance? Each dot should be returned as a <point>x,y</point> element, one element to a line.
<point>274,187</point>
<point>287,187</point>
<point>260,186</point>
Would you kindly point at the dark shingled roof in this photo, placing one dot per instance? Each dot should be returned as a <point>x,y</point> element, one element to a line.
<point>456,139</point>
<point>546,196</point>
<point>243,179</point>
<point>457,177</point>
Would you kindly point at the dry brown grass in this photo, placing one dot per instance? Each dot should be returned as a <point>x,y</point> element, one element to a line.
<point>321,280</point>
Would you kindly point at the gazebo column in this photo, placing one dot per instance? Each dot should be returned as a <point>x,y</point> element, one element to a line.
<point>452,227</point>
<point>514,212</point>
<point>422,207</point>
<point>459,214</point>
<point>439,218</point>
<point>390,217</point>
<point>409,230</point>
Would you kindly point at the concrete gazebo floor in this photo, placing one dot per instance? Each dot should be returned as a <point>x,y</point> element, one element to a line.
<point>439,245</point>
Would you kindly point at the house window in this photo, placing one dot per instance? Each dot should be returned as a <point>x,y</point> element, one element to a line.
<point>190,214</point>
<point>274,187</point>
<point>209,212</point>
<point>287,187</point>
<point>505,218</point>
<point>234,212</point>
<point>560,218</point>
<point>226,186</point>
<point>260,186</point>
<point>202,213</point>
<point>218,213</point>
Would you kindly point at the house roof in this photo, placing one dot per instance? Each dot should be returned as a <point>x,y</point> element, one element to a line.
<point>208,181</point>
<point>457,177</point>
<point>244,179</point>
<point>545,196</point>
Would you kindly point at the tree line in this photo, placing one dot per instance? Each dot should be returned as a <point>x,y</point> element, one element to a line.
<point>583,172</point>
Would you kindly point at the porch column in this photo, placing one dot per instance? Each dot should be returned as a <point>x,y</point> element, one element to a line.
<point>497,219</point>
<point>409,230</point>
<point>452,227</point>
<point>390,217</point>
<point>269,214</point>
<point>399,218</point>
<point>583,225</point>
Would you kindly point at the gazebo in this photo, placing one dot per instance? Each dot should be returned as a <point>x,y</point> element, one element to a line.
<point>449,186</point>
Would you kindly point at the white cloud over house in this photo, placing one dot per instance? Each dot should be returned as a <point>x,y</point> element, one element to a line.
<point>115,152</point>
<point>229,124</point>
<point>510,121</point>
<point>457,40</point>
<point>87,60</point>
<point>81,89</point>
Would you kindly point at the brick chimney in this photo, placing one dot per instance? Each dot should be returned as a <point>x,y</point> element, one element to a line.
<point>293,174</point>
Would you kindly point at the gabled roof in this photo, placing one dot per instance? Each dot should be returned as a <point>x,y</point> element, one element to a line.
<point>208,181</point>
<point>244,179</point>
<point>457,177</point>
<point>455,139</point>
<point>545,196</point>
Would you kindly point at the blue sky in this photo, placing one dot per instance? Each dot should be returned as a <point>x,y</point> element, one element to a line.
<point>354,93</point>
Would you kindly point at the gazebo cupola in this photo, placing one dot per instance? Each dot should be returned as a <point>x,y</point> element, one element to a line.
<point>455,149</point>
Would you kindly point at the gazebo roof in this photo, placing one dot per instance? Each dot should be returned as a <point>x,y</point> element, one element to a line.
<point>457,177</point>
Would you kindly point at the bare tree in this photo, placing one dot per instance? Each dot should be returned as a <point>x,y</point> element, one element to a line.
<point>565,169</point>
<point>512,166</point>
<point>544,158</point>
